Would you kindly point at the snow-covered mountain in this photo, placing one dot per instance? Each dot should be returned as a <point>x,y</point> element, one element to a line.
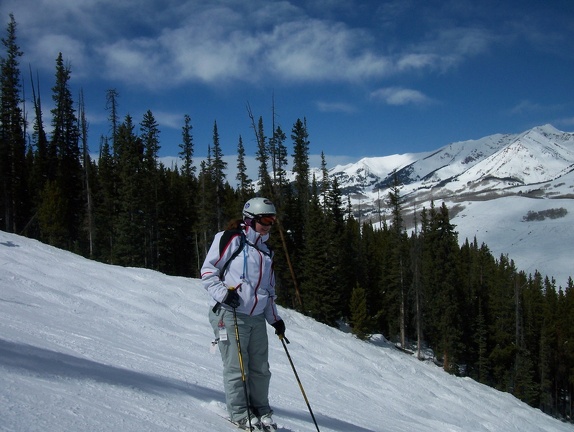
<point>513,192</point>
<point>86,346</point>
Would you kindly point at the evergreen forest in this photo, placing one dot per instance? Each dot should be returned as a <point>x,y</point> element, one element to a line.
<point>472,313</point>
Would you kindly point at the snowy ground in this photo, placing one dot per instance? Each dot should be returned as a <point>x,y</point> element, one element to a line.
<point>91,347</point>
<point>533,245</point>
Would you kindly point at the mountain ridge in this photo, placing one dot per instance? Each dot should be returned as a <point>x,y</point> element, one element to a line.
<point>536,165</point>
<point>488,157</point>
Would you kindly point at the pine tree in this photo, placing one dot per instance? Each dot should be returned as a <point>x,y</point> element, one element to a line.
<point>300,208</point>
<point>443,312</point>
<point>325,183</point>
<point>40,170</point>
<point>245,184</point>
<point>279,163</point>
<point>187,149</point>
<point>171,253</point>
<point>14,200</point>
<point>351,267</point>
<point>107,204</point>
<point>335,200</point>
<point>205,227</point>
<point>568,318</point>
<point>481,337</point>
<point>359,313</point>
<point>189,260</point>
<point>152,199</point>
<point>377,257</point>
<point>112,105</point>
<point>502,324</point>
<point>321,299</point>
<point>178,247</point>
<point>476,266</point>
<point>87,166</point>
<point>130,244</point>
<point>416,270</point>
<point>149,135</point>
<point>397,270</point>
<point>65,148</point>
<point>51,212</point>
<point>548,351</point>
<point>301,169</point>
<point>218,167</point>
<point>262,156</point>
<point>525,387</point>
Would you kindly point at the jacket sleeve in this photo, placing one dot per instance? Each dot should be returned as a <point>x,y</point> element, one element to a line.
<point>271,314</point>
<point>210,271</point>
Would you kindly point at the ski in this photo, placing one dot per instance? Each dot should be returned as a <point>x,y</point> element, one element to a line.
<point>259,427</point>
<point>244,427</point>
<point>219,409</point>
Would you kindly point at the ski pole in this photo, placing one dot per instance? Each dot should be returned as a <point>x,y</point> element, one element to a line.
<point>282,338</point>
<point>242,368</point>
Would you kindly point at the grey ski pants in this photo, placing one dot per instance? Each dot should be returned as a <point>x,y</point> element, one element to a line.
<point>255,353</point>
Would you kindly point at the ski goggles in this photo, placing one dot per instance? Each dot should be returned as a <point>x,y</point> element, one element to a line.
<point>266,220</point>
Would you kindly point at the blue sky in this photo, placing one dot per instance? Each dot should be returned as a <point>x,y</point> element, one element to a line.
<point>372,78</point>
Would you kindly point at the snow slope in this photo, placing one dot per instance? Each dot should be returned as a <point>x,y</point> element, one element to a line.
<point>543,246</point>
<point>91,347</point>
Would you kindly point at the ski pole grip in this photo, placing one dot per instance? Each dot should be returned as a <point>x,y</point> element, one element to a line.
<point>234,288</point>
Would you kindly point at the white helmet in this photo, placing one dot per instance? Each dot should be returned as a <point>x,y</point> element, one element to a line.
<point>257,207</point>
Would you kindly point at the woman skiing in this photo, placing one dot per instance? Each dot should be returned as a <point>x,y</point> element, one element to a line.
<point>238,275</point>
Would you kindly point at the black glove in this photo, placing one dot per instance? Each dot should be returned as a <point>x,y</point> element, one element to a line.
<point>279,328</point>
<point>232,298</point>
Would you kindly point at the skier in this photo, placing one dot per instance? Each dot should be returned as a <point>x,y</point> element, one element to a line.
<point>238,275</point>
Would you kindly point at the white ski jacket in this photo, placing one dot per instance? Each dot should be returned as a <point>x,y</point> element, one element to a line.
<point>250,272</point>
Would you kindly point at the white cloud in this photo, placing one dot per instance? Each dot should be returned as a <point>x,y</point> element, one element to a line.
<point>400,96</point>
<point>525,106</point>
<point>198,56</point>
<point>320,50</point>
<point>218,47</point>
<point>168,119</point>
<point>46,50</point>
<point>141,61</point>
<point>568,121</point>
<point>416,61</point>
<point>155,43</point>
<point>446,48</point>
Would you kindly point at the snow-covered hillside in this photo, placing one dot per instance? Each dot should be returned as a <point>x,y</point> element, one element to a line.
<point>91,347</point>
<point>490,185</point>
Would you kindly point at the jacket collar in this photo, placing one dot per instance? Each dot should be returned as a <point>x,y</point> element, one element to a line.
<point>254,237</point>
